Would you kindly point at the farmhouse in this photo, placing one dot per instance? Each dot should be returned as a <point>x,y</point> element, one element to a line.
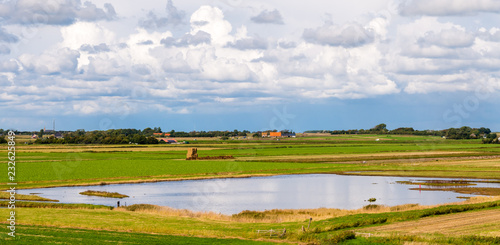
<point>275,134</point>
<point>169,141</point>
<point>278,134</point>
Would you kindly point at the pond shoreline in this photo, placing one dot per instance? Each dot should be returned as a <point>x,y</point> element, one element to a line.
<point>351,173</point>
<point>264,192</point>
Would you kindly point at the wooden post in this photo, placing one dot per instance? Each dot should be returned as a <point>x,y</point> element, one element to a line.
<point>284,232</point>
<point>310,219</point>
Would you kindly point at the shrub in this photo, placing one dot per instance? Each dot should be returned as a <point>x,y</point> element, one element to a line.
<point>371,206</point>
<point>250,214</point>
<point>140,207</point>
<point>340,237</point>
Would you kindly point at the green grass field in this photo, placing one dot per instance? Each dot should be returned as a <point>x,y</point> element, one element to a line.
<point>130,227</point>
<point>49,235</point>
<point>41,166</point>
<point>66,165</point>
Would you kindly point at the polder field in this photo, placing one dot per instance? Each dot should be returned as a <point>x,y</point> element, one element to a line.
<point>474,221</point>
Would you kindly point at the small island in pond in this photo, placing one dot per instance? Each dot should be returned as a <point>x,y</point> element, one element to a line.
<point>103,194</point>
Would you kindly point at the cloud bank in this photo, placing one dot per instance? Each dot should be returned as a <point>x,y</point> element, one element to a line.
<point>213,56</point>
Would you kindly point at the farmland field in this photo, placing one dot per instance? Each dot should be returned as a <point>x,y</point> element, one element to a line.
<point>423,156</point>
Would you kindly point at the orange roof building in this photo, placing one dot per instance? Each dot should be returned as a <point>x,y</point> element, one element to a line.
<point>275,134</point>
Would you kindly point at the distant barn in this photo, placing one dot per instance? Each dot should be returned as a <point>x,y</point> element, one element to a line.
<point>169,141</point>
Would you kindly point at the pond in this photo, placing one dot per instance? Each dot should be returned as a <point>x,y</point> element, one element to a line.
<point>233,195</point>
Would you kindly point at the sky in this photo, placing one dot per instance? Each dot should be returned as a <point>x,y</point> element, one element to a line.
<point>249,65</point>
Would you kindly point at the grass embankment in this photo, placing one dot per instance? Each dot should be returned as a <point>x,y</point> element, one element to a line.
<point>103,194</point>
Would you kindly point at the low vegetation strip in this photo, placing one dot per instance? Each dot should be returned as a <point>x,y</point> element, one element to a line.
<point>55,205</point>
<point>487,191</point>
<point>443,183</point>
<point>103,194</point>
<point>6,195</point>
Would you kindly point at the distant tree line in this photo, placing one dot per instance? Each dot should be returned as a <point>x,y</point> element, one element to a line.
<point>4,132</point>
<point>234,133</point>
<point>451,133</point>
<point>382,129</point>
<point>146,136</point>
<point>128,136</point>
<point>112,136</point>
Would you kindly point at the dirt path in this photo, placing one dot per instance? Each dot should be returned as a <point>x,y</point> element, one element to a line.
<point>470,223</point>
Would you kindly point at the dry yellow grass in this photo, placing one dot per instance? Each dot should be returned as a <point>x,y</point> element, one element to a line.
<point>291,215</point>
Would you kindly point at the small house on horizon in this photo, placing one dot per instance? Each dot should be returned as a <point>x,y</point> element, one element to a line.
<point>275,134</point>
<point>169,141</point>
<point>278,134</point>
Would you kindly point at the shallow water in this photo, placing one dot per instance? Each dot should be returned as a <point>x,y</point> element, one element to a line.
<point>230,196</point>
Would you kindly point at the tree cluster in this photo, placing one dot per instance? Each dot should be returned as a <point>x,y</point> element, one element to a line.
<point>233,133</point>
<point>127,136</point>
<point>491,139</point>
<point>451,133</point>
<point>466,133</point>
<point>112,136</point>
<point>382,129</point>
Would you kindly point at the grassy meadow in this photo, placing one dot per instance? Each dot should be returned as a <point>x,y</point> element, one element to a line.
<point>390,155</point>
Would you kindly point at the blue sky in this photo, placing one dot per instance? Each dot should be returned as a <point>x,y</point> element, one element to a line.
<point>255,65</point>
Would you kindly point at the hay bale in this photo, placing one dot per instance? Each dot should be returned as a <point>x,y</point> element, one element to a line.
<point>192,153</point>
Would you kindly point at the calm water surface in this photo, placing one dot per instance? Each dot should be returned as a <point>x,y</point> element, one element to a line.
<point>230,196</point>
